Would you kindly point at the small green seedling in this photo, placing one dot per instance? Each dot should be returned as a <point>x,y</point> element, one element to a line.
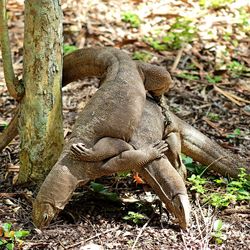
<point>236,133</point>
<point>236,190</point>
<point>10,238</point>
<point>131,18</point>
<point>213,117</point>
<point>217,234</point>
<point>68,49</point>
<point>237,69</point>
<point>181,32</point>
<point>219,200</point>
<point>136,218</point>
<point>213,79</point>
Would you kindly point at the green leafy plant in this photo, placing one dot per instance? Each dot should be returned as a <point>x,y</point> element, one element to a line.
<point>217,233</point>
<point>10,238</point>
<point>142,55</point>
<point>235,189</point>
<point>181,32</point>
<point>197,183</point>
<point>68,48</point>
<point>191,166</point>
<point>131,18</point>
<point>99,188</point>
<point>240,187</point>
<point>136,218</point>
<point>155,43</point>
<point>219,200</point>
<point>215,4</point>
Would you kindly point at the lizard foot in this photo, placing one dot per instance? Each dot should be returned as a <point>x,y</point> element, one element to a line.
<point>157,149</point>
<point>80,151</point>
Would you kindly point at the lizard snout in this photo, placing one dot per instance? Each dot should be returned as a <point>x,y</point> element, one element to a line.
<point>182,210</point>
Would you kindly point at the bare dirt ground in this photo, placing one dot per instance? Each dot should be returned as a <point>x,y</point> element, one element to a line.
<point>212,79</point>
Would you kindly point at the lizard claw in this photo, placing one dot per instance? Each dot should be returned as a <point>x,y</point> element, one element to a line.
<point>161,147</point>
<point>79,150</point>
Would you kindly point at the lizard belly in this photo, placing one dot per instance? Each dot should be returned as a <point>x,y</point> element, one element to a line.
<point>151,126</point>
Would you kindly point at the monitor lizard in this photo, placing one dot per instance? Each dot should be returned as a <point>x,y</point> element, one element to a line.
<point>70,172</point>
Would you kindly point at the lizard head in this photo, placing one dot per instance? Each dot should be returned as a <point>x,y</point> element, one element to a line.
<point>43,213</point>
<point>158,83</point>
<point>182,209</point>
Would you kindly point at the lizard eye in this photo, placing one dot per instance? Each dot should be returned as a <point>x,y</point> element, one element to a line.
<point>45,217</point>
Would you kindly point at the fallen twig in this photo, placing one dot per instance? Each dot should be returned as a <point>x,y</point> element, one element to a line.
<point>177,60</point>
<point>140,233</point>
<point>232,97</point>
<point>11,195</point>
<point>213,125</point>
<point>229,211</point>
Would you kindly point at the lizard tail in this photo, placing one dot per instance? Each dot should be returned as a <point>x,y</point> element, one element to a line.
<point>209,153</point>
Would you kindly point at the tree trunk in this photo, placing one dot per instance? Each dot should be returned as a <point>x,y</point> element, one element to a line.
<point>40,122</point>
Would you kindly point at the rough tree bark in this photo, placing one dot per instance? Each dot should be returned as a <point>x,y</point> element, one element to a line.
<point>40,122</point>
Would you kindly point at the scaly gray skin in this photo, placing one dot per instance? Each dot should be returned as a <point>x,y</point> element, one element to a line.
<point>192,142</point>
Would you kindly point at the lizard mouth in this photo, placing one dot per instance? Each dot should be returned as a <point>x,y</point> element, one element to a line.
<point>43,213</point>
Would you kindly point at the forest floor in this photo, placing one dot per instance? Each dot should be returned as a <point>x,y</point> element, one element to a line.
<point>206,46</point>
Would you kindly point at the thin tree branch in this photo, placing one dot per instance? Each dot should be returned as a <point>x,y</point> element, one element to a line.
<point>10,132</point>
<point>12,83</point>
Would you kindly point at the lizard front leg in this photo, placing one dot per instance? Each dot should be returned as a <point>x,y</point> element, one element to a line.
<point>105,148</point>
<point>126,160</point>
<point>135,159</point>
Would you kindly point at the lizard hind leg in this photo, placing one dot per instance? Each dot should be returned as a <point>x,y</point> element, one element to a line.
<point>105,148</point>
<point>174,153</point>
